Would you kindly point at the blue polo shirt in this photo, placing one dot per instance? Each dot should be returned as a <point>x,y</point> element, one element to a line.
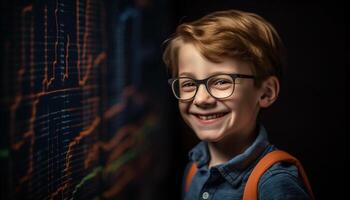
<point>227,180</point>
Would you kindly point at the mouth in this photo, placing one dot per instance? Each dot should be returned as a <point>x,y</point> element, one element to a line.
<point>209,118</point>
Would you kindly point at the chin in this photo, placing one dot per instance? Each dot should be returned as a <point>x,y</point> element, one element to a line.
<point>209,135</point>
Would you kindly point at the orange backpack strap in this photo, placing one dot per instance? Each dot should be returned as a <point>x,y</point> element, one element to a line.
<point>189,176</point>
<point>251,188</point>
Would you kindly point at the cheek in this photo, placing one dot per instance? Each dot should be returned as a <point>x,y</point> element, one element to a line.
<point>247,94</point>
<point>183,108</point>
<point>243,103</point>
<point>248,106</point>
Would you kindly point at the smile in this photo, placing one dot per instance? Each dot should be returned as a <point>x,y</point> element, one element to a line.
<point>210,118</point>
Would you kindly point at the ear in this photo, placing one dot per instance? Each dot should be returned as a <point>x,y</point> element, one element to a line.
<point>270,89</point>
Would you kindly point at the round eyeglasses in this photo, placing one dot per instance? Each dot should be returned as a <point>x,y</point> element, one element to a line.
<point>219,86</point>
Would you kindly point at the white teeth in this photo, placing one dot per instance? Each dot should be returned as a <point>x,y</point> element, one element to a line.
<point>208,117</point>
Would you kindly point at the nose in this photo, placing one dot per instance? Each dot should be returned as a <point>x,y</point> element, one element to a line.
<point>203,98</point>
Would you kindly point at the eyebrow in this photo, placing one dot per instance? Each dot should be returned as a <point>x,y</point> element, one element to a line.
<point>186,74</point>
<point>189,74</point>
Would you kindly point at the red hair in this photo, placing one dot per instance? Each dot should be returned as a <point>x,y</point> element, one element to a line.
<point>230,34</point>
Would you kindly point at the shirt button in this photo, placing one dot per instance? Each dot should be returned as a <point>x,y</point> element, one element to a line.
<point>205,195</point>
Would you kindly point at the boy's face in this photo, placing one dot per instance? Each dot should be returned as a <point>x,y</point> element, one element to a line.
<point>239,110</point>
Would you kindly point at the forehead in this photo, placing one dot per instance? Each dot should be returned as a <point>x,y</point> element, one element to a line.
<point>192,63</point>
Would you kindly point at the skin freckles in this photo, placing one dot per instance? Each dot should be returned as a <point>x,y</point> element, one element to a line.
<point>234,131</point>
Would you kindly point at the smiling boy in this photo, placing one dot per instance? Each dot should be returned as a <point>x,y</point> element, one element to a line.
<point>226,67</point>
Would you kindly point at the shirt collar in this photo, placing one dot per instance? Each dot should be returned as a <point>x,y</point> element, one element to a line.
<point>233,169</point>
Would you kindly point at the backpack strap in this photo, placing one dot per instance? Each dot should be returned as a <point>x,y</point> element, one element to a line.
<point>189,176</point>
<point>251,188</point>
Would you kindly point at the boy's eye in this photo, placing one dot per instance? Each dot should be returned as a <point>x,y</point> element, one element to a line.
<point>188,84</point>
<point>221,84</point>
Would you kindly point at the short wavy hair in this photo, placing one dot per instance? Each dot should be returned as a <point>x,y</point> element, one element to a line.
<point>230,34</point>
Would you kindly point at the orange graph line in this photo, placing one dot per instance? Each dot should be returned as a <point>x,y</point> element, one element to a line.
<point>65,75</point>
<point>77,139</point>
<point>129,142</point>
<point>86,30</point>
<point>128,173</point>
<point>31,58</point>
<point>56,44</point>
<point>117,108</point>
<point>99,59</point>
<point>21,71</point>
<point>119,135</point>
<point>82,77</point>
<point>111,112</point>
<point>123,139</point>
<point>59,189</point>
<point>29,134</point>
<point>28,8</point>
<point>107,146</point>
<point>86,51</point>
<point>69,155</point>
<point>44,83</point>
<point>40,94</point>
<point>47,82</point>
<point>17,101</point>
<point>78,37</point>
<point>92,155</point>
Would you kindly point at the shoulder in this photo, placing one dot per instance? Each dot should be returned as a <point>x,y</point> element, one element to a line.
<point>282,181</point>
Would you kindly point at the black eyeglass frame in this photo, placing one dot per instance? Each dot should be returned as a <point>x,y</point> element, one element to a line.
<point>171,82</point>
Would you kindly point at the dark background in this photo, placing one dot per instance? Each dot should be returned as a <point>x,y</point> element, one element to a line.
<point>308,119</point>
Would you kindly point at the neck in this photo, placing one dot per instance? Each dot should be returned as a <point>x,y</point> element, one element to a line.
<point>229,147</point>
